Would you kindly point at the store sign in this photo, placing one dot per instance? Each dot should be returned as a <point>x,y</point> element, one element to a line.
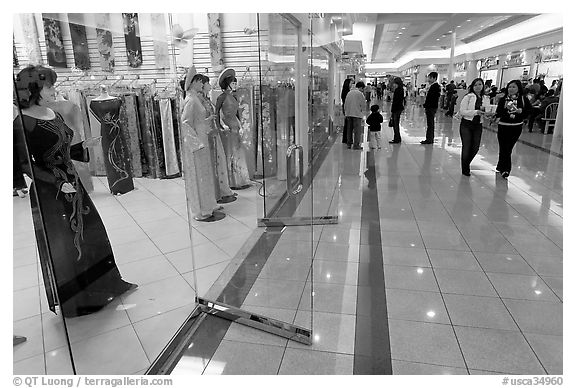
<point>460,67</point>
<point>516,58</point>
<point>489,62</point>
<point>549,53</point>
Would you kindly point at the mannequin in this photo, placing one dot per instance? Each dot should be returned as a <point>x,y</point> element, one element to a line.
<point>116,158</point>
<point>78,267</point>
<point>229,123</point>
<point>196,162</point>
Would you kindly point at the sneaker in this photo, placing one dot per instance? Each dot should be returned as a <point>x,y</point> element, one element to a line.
<point>505,174</point>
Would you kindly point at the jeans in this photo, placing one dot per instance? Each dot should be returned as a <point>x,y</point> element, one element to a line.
<point>375,139</point>
<point>430,113</point>
<point>507,137</point>
<point>396,123</point>
<point>471,135</point>
<point>354,131</point>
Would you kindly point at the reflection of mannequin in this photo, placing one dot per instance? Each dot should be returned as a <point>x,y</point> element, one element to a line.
<point>116,158</point>
<point>73,118</point>
<point>227,113</point>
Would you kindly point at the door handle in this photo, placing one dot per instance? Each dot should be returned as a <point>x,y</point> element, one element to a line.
<point>294,188</point>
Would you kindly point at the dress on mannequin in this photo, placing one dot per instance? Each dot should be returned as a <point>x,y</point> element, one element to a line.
<point>223,192</point>
<point>227,113</point>
<point>116,157</point>
<point>196,162</point>
<point>83,267</point>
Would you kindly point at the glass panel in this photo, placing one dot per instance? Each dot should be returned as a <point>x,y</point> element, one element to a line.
<point>116,225</point>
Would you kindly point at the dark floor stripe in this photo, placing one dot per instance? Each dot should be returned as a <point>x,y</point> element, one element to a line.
<point>211,332</point>
<point>526,142</point>
<point>372,342</point>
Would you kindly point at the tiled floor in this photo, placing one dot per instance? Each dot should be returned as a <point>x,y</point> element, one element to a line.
<point>472,268</point>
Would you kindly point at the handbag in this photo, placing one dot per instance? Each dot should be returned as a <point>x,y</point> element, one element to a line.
<point>391,122</point>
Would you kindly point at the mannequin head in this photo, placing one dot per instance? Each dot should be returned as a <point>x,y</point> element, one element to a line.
<point>229,83</point>
<point>35,86</point>
<point>198,83</point>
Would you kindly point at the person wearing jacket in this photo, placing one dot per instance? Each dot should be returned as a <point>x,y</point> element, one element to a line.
<point>355,107</point>
<point>513,108</point>
<point>431,106</point>
<point>345,90</point>
<point>397,108</point>
<point>471,124</point>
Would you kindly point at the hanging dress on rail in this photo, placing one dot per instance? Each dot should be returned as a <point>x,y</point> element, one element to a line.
<point>84,273</point>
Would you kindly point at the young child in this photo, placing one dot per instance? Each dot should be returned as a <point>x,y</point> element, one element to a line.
<point>374,120</point>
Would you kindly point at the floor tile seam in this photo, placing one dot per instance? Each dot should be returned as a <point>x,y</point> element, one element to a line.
<point>134,322</point>
<point>552,289</point>
<point>516,323</point>
<point>456,325</point>
<point>423,363</point>
<point>455,367</point>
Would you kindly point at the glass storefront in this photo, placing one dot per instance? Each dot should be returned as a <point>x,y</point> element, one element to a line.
<point>152,189</point>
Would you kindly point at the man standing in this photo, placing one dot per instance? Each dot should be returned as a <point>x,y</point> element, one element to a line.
<point>431,106</point>
<point>354,106</point>
<point>450,89</point>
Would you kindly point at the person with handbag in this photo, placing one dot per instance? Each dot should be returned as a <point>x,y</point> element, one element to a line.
<point>397,108</point>
<point>511,112</point>
<point>471,112</point>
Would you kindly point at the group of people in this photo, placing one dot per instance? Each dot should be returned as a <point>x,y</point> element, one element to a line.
<point>515,106</point>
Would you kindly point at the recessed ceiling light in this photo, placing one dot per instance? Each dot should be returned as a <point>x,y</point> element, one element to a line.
<point>403,28</point>
<point>399,33</point>
<point>458,26</point>
<point>450,31</point>
<point>468,20</point>
<point>438,39</point>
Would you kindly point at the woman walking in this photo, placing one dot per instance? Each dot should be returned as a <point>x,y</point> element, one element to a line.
<point>471,112</point>
<point>345,90</point>
<point>513,108</point>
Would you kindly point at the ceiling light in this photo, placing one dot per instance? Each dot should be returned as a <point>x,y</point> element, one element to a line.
<point>481,26</point>
<point>399,33</point>
<point>438,39</point>
<point>458,26</point>
<point>468,20</point>
<point>450,31</point>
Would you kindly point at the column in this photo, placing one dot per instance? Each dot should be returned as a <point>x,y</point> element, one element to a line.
<point>451,66</point>
<point>471,71</point>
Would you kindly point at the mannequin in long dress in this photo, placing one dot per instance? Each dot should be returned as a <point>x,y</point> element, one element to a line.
<point>229,123</point>
<point>116,156</point>
<point>221,181</point>
<point>196,162</point>
<point>78,266</point>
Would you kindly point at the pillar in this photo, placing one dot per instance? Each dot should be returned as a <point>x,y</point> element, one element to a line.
<point>451,66</point>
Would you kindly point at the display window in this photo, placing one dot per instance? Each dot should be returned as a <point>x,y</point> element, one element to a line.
<point>154,154</point>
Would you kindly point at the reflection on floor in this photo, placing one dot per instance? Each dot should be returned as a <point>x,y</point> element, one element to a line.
<point>148,230</point>
<point>472,270</point>
<point>472,267</point>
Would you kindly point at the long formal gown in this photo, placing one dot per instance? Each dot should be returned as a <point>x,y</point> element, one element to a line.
<point>116,153</point>
<point>196,162</point>
<point>217,154</point>
<point>83,268</point>
<point>227,109</point>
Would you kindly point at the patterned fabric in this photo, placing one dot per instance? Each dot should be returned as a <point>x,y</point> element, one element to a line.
<point>97,164</point>
<point>80,46</point>
<point>82,268</point>
<point>15,62</point>
<point>215,40</point>
<point>116,154</point>
<point>31,39</point>
<point>53,34</point>
<point>131,132</point>
<point>168,137</point>
<point>132,38</point>
<point>196,162</point>
<point>147,133</point>
<point>247,128</point>
<point>104,41</point>
<point>161,55</point>
<point>267,137</point>
<point>157,135</point>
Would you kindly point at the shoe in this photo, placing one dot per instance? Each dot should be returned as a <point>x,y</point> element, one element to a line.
<point>466,173</point>
<point>349,147</point>
<point>426,142</point>
<point>505,174</point>
<point>357,148</point>
<point>394,141</point>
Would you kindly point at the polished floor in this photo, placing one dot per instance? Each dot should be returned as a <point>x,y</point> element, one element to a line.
<point>471,269</point>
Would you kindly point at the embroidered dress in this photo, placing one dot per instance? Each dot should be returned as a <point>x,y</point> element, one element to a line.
<point>227,108</point>
<point>217,155</point>
<point>196,163</point>
<point>82,270</point>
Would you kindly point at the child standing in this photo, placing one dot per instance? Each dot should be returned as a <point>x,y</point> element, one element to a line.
<point>374,120</point>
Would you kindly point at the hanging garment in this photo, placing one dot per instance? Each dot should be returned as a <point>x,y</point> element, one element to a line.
<point>285,125</point>
<point>247,132</point>
<point>267,139</point>
<point>15,62</point>
<point>176,125</point>
<point>161,55</point>
<point>227,108</point>
<point>196,162</point>
<point>168,137</point>
<point>157,134</point>
<point>215,41</point>
<point>55,44</point>
<point>130,131</point>
<point>115,151</point>
<point>75,254</point>
<point>132,38</point>
<point>104,41</point>
<point>217,154</point>
<point>31,39</point>
<point>97,163</point>
<point>80,46</point>
<point>72,116</point>
<point>146,132</point>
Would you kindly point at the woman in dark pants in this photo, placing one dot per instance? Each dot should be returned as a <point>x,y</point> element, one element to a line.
<point>471,123</point>
<point>345,90</point>
<point>397,108</point>
<point>512,110</point>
